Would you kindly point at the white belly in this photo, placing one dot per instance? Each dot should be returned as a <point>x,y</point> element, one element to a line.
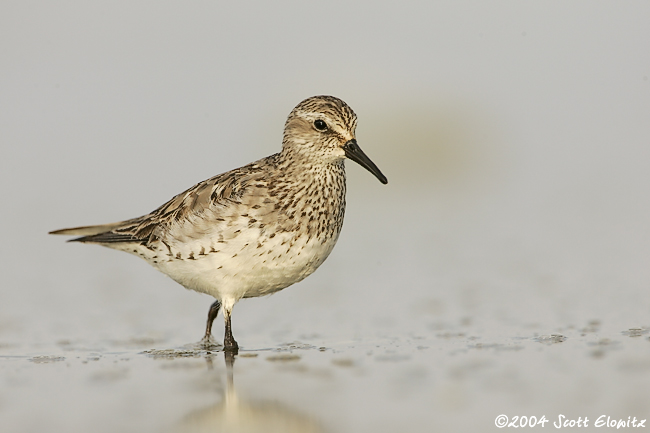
<point>244,268</point>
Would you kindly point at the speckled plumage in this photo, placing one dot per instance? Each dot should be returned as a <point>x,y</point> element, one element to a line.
<point>257,229</point>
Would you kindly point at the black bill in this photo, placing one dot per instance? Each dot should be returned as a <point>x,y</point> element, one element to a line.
<point>354,152</point>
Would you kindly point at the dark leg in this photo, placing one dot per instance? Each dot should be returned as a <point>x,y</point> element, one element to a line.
<point>212,314</point>
<point>229,343</point>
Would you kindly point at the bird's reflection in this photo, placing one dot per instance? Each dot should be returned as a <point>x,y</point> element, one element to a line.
<point>233,414</point>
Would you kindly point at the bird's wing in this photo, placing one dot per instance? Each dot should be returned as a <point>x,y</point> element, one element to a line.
<point>211,194</point>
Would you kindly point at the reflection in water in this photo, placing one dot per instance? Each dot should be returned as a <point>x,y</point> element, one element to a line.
<point>234,415</point>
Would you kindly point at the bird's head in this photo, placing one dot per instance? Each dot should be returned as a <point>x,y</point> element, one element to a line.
<point>323,127</point>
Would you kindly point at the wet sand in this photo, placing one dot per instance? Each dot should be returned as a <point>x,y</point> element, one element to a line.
<point>454,378</point>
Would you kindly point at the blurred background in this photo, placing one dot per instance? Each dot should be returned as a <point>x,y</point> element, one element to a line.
<point>515,137</point>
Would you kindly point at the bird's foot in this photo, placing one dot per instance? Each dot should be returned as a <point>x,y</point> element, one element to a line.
<point>230,345</point>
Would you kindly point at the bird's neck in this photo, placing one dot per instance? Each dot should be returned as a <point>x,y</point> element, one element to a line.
<point>299,164</point>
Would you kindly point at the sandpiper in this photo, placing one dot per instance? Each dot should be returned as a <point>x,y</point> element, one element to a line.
<point>256,229</point>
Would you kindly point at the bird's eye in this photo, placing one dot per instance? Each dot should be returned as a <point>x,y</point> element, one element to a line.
<point>320,125</point>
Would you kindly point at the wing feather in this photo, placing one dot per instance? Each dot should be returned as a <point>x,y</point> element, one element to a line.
<point>206,195</point>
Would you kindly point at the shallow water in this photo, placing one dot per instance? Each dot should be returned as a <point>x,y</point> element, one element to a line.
<point>437,377</point>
